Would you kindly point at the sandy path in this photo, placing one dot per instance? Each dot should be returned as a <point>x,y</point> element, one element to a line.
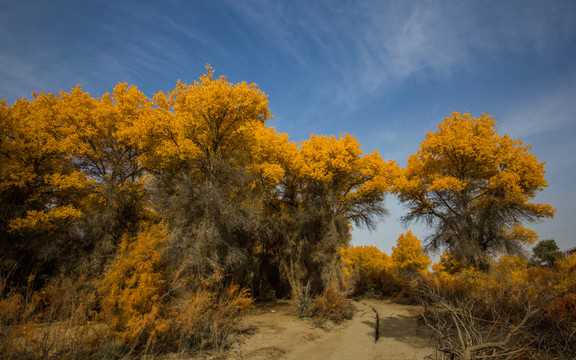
<point>276,333</point>
<point>355,341</point>
<point>400,336</point>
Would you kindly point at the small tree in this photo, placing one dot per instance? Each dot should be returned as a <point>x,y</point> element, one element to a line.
<point>407,257</point>
<point>367,267</point>
<point>546,252</point>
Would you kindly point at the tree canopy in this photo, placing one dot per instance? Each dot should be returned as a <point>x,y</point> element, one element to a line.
<point>546,252</point>
<point>475,188</point>
<point>80,175</point>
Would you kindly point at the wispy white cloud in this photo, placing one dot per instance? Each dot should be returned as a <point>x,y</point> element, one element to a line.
<point>18,77</point>
<point>550,111</point>
<point>276,22</point>
<point>372,46</point>
<point>126,41</point>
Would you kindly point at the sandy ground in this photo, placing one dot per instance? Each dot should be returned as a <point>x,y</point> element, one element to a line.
<point>273,331</point>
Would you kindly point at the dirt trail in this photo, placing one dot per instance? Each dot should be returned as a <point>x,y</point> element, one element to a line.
<point>355,341</point>
<point>400,335</point>
<point>275,333</point>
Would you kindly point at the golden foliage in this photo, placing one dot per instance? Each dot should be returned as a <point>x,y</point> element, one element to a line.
<point>211,314</point>
<point>368,268</point>
<point>566,268</point>
<point>368,260</point>
<point>37,176</point>
<point>209,117</point>
<point>338,164</point>
<point>466,176</point>
<point>407,256</point>
<point>133,289</point>
<point>513,268</point>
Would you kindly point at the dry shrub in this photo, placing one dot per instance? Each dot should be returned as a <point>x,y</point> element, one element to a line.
<point>66,298</point>
<point>11,309</point>
<point>513,312</point>
<point>211,314</point>
<point>133,291</point>
<point>332,305</point>
<point>563,309</point>
<point>55,340</point>
<point>50,323</point>
<point>462,334</point>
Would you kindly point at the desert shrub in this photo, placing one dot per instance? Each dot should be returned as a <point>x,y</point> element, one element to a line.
<point>65,298</point>
<point>331,306</point>
<point>50,323</point>
<point>461,333</point>
<point>563,309</point>
<point>370,271</point>
<point>210,315</point>
<point>566,270</point>
<point>11,309</point>
<point>512,312</point>
<point>305,302</point>
<point>133,289</point>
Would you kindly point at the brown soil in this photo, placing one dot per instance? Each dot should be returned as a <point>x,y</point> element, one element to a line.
<point>273,331</point>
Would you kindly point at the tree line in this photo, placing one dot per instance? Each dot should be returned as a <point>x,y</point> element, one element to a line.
<point>80,175</point>
<point>164,217</point>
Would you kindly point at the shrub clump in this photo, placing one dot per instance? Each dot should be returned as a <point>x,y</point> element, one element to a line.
<point>211,314</point>
<point>332,305</point>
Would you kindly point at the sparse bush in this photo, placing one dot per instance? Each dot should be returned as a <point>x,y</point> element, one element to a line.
<point>512,312</point>
<point>50,323</point>
<point>331,306</point>
<point>305,302</point>
<point>133,289</point>
<point>211,314</point>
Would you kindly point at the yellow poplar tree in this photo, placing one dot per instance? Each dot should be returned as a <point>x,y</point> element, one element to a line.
<point>107,154</point>
<point>368,267</point>
<point>210,155</point>
<point>41,188</point>
<point>331,185</point>
<point>475,188</point>
<point>408,257</point>
<point>335,172</point>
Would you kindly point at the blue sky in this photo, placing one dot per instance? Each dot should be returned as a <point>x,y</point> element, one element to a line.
<point>386,72</point>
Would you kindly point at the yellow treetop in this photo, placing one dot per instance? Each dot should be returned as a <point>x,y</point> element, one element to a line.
<point>337,166</point>
<point>211,117</point>
<point>407,256</point>
<point>474,186</point>
<point>369,260</point>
